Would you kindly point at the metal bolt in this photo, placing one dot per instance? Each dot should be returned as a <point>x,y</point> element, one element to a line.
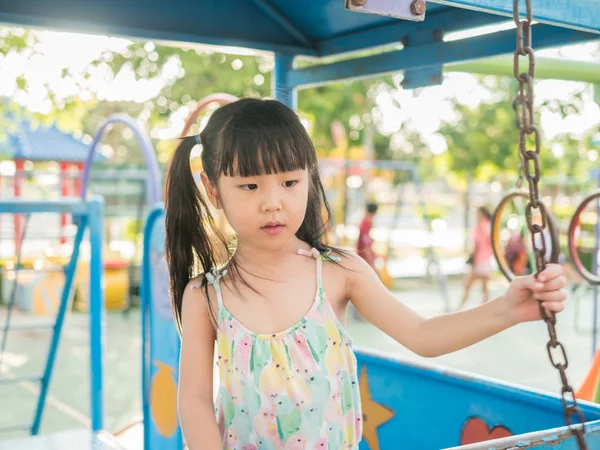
<point>359,2</point>
<point>435,79</point>
<point>418,7</point>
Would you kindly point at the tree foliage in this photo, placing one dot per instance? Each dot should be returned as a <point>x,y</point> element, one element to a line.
<point>481,142</point>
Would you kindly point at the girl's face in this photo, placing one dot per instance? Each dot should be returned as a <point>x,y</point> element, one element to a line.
<point>264,210</point>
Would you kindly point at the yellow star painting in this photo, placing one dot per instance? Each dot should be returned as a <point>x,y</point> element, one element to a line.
<point>374,414</point>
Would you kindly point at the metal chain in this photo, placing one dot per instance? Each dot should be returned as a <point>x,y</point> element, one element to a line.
<point>530,162</point>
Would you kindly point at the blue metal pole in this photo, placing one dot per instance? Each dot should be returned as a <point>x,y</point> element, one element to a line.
<point>97,313</point>
<point>282,90</point>
<point>58,326</point>
<point>146,310</point>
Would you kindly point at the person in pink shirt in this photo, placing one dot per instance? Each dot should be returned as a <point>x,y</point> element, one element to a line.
<point>364,244</point>
<point>481,255</point>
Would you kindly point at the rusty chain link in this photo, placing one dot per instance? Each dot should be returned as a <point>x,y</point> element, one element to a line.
<point>530,171</point>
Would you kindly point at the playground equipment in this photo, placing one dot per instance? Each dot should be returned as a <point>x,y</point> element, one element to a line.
<point>42,275</point>
<point>588,269</point>
<point>407,405</point>
<point>44,144</point>
<point>89,216</point>
<point>94,292</point>
<point>497,226</point>
<point>220,98</point>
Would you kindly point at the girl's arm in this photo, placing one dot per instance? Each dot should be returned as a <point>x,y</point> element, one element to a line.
<point>447,333</point>
<point>195,394</point>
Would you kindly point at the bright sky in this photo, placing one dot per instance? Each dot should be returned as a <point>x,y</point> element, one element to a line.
<point>425,109</point>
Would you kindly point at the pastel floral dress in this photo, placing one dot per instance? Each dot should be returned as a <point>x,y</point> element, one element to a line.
<point>292,390</point>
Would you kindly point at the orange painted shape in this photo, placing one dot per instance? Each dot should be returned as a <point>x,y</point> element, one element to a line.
<point>163,400</point>
<point>588,388</point>
<point>476,430</point>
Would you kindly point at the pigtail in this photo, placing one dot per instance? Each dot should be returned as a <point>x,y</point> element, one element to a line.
<point>188,224</point>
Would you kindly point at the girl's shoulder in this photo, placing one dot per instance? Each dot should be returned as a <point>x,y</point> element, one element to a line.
<point>198,309</point>
<point>197,282</point>
<point>200,290</point>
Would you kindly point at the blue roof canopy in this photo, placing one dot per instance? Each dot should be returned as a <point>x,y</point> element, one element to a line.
<point>298,27</point>
<point>323,28</point>
<point>45,144</point>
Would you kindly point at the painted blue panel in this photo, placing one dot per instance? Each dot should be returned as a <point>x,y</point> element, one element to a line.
<point>499,43</point>
<point>161,367</point>
<point>436,408</point>
<point>579,14</point>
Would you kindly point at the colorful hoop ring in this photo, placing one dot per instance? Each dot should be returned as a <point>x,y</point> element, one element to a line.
<point>499,251</point>
<point>575,221</point>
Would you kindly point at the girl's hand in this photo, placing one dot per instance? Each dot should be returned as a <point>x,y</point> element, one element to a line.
<point>524,294</point>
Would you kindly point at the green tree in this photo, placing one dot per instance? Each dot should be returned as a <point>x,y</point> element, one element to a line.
<point>482,142</point>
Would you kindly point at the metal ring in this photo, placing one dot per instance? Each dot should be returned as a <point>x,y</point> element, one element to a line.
<point>585,274</point>
<point>499,251</point>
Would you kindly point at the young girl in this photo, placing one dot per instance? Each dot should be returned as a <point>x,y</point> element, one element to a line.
<point>274,297</point>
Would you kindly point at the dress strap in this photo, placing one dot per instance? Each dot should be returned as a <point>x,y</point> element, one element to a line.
<point>316,254</point>
<point>312,253</point>
<point>212,277</point>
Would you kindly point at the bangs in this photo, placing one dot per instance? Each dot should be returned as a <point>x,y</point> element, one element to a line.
<point>265,142</point>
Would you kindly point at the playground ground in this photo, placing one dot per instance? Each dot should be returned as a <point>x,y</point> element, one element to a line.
<point>517,356</point>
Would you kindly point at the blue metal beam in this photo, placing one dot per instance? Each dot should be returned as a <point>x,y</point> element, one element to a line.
<point>578,14</point>
<point>426,76</point>
<point>422,77</point>
<point>422,56</point>
<point>65,295</point>
<point>282,21</point>
<point>75,206</point>
<point>395,32</point>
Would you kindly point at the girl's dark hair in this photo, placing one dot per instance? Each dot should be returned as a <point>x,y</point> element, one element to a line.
<point>248,137</point>
<point>485,212</point>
